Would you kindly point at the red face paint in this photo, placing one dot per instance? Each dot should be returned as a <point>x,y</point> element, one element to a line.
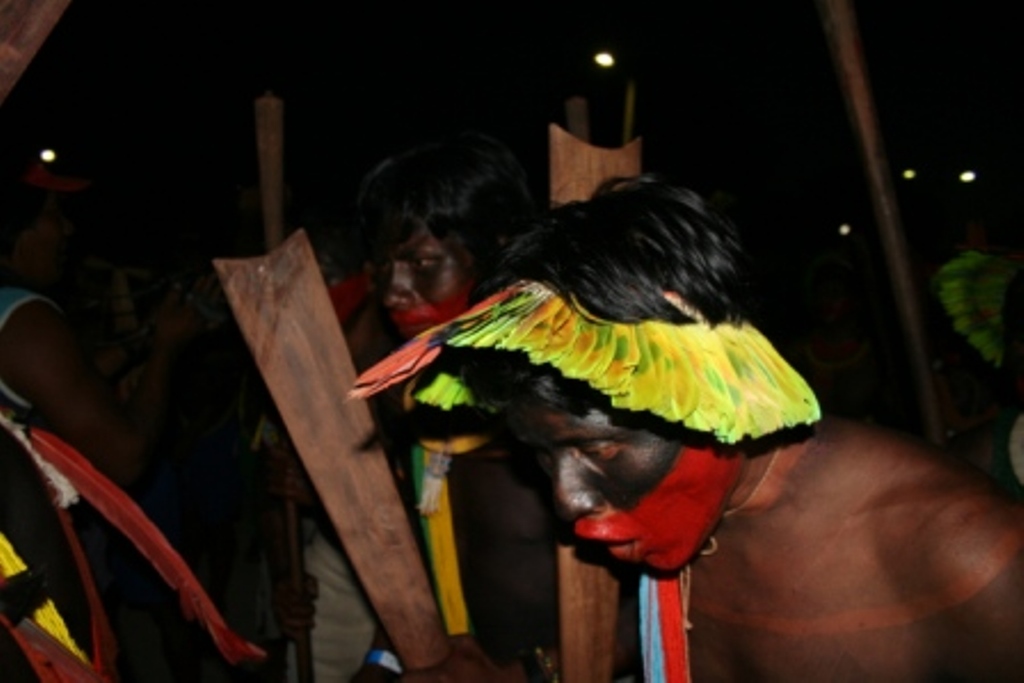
<point>412,321</point>
<point>672,522</point>
<point>348,295</point>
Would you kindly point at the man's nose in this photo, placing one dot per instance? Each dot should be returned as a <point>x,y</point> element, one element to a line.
<point>398,289</point>
<point>574,498</point>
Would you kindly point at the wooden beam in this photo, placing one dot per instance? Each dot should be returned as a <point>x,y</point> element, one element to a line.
<point>269,112</point>
<point>588,594</point>
<point>270,153</point>
<point>840,25</point>
<point>282,307</point>
<point>24,25</point>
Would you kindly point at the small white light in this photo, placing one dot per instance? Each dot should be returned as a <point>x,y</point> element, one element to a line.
<point>845,229</point>
<point>48,155</point>
<point>968,177</point>
<point>909,174</point>
<point>604,59</point>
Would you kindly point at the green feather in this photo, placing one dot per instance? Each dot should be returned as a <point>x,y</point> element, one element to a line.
<point>727,380</point>
<point>971,288</point>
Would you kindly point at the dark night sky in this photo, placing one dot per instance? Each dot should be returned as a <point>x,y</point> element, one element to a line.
<point>155,101</point>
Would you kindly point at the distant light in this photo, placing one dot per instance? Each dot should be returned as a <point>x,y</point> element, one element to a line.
<point>604,59</point>
<point>968,177</point>
<point>845,229</point>
<point>909,174</point>
<point>48,155</point>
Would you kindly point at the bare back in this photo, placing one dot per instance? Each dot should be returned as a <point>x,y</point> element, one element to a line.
<point>870,556</point>
<point>506,535</point>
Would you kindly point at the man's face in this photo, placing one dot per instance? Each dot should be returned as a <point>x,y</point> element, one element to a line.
<point>425,281</point>
<point>41,251</point>
<point>648,498</point>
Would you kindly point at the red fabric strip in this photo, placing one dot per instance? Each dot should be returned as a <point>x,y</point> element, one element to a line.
<point>673,630</point>
<point>121,511</point>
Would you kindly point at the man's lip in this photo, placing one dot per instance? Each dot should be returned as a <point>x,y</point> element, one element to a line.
<point>601,533</point>
<point>410,331</point>
<point>409,325</point>
<point>627,552</point>
<point>621,544</point>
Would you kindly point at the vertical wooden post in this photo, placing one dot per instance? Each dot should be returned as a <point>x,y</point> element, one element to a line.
<point>577,117</point>
<point>24,25</point>
<point>588,594</point>
<point>270,153</point>
<point>840,24</point>
<point>629,111</point>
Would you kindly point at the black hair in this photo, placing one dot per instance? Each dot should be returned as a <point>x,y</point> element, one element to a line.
<point>617,254</point>
<point>470,185</point>
<point>338,251</point>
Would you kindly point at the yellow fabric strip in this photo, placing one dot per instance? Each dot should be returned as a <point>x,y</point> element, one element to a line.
<point>444,558</point>
<point>456,445</point>
<point>46,615</point>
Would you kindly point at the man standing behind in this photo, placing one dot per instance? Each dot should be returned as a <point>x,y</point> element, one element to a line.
<point>779,545</point>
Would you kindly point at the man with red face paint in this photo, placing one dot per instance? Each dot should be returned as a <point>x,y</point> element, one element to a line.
<point>777,544</point>
<point>436,216</point>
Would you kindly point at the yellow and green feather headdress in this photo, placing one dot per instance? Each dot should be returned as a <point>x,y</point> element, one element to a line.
<point>972,289</point>
<point>725,379</point>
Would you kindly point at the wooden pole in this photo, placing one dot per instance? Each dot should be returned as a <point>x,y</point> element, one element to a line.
<point>577,117</point>
<point>284,312</point>
<point>588,594</point>
<point>270,151</point>
<point>24,25</point>
<point>840,24</point>
<point>629,111</point>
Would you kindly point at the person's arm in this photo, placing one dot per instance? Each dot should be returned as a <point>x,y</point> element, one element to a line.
<point>468,662</point>
<point>41,360</point>
<point>381,671</point>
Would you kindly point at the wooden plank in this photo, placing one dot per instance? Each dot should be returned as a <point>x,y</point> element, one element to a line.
<point>588,594</point>
<point>839,22</point>
<point>24,25</point>
<point>578,168</point>
<point>283,309</point>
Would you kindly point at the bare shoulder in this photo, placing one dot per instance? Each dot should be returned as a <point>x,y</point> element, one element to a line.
<point>35,331</point>
<point>902,482</point>
<point>945,541</point>
<point>911,465</point>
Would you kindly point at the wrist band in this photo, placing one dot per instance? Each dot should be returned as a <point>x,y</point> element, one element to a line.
<point>385,659</point>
